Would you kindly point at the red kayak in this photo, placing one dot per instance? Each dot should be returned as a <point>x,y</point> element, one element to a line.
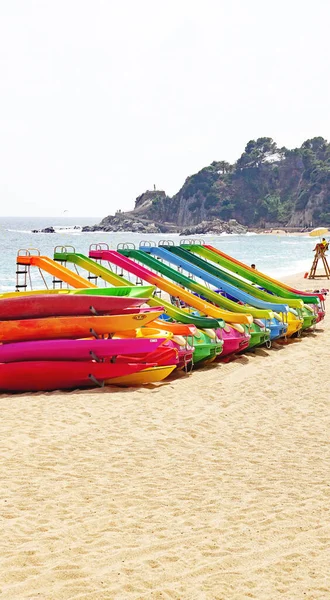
<point>51,305</point>
<point>45,376</point>
<point>161,357</point>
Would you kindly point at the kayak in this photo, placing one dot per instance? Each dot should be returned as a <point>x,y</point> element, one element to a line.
<point>161,357</point>
<point>76,350</point>
<point>144,332</point>
<point>175,328</point>
<point>42,376</point>
<point>149,375</point>
<point>71,327</point>
<point>135,291</point>
<point>233,341</point>
<point>170,352</point>
<point>49,305</point>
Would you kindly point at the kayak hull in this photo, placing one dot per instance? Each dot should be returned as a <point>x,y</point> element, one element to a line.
<point>38,306</point>
<point>233,341</point>
<point>136,291</point>
<point>45,376</point>
<point>71,327</point>
<point>76,350</point>
<point>150,375</point>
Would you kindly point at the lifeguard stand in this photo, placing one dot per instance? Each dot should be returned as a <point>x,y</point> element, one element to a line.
<point>320,251</point>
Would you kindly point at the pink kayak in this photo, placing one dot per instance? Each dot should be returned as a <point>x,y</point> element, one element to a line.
<point>233,341</point>
<point>76,349</point>
<point>44,376</point>
<point>51,305</point>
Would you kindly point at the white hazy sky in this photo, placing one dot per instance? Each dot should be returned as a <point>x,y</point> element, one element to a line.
<point>99,100</point>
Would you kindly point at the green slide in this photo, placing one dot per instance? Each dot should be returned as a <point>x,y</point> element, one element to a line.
<point>255,276</point>
<point>294,301</point>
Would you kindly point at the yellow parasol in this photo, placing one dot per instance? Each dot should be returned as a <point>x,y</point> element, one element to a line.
<point>319,231</point>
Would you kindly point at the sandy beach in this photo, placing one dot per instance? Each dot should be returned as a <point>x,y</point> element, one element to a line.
<point>212,486</point>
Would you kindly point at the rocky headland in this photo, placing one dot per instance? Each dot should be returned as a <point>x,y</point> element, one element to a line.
<point>137,222</point>
<point>266,188</point>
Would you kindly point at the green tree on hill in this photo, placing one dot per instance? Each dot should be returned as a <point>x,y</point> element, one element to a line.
<point>257,152</point>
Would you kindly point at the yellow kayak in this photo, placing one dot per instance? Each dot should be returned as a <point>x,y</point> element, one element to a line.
<point>144,332</point>
<point>150,375</point>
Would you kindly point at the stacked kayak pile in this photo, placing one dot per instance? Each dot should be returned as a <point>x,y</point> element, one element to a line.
<point>69,340</point>
<point>124,335</point>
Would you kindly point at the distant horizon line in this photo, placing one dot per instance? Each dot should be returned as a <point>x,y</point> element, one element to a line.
<point>50,217</point>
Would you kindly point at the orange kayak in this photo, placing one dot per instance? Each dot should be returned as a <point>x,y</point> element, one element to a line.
<point>51,328</point>
<point>175,328</point>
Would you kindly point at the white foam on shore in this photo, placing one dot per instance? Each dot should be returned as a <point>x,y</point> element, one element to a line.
<point>19,230</point>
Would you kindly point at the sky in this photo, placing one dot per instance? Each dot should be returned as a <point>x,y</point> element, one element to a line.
<point>101,100</point>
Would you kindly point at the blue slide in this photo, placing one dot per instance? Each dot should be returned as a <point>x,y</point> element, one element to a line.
<point>160,252</point>
<point>277,327</point>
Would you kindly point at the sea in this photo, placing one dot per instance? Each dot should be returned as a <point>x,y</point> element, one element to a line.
<point>276,255</point>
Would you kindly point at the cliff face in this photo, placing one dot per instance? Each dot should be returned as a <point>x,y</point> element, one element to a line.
<point>153,206</point>
<point>158,207</point>
<point>266,186</point>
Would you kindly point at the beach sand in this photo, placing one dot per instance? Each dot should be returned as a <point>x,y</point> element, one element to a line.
<point>212,486</point>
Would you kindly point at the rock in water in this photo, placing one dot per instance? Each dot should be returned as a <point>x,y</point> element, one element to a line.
<point>215,227</point>
<point>45,230</point>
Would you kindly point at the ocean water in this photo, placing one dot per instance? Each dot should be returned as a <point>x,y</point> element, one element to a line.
<point>276,255</point>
